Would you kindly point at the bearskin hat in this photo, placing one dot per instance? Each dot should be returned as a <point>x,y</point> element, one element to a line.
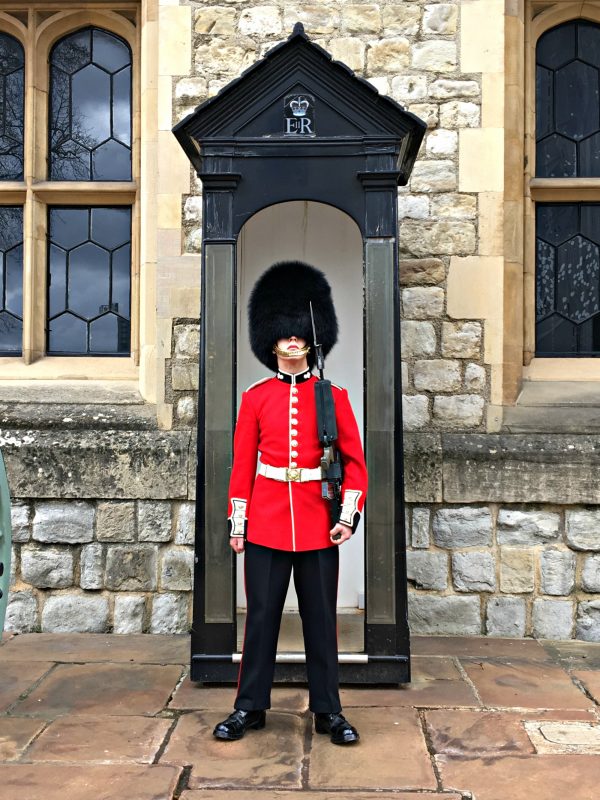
<point>279,307</point>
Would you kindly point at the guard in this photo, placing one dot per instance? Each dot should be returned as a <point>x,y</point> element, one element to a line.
<point>280,516</point>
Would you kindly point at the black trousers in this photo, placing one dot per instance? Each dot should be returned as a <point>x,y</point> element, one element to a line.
<point>267,577</point>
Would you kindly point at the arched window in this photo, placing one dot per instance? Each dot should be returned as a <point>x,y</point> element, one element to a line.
<point>90,107</point>
<point>12,101</point>
<point>568,148</point>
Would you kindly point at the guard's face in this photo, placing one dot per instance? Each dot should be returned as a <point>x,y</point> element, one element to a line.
<point>291,344</point>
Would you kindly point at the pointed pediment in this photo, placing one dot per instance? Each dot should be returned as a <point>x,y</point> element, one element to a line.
<point>297,93</point>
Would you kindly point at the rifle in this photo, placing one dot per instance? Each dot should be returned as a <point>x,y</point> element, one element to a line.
<point>331,465</point>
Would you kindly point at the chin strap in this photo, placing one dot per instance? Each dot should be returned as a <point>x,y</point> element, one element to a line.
<point>296,354</point>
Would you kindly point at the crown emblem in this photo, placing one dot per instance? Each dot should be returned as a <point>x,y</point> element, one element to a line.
<point>299,106</point>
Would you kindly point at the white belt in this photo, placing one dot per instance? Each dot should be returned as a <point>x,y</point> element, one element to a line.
<point>299,474</point>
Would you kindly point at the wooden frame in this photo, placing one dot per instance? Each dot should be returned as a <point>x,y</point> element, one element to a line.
<point>38,25</point>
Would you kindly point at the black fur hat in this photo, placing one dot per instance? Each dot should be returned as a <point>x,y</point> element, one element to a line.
<point>279,307</point>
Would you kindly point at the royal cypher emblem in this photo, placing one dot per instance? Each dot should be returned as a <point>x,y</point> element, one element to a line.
<point>299,115</point>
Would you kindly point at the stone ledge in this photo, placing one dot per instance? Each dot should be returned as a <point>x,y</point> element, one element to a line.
<point>71,416</point>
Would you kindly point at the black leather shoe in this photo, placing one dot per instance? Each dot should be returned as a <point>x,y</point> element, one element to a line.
<point>338,726</point>
<point>236,724</point>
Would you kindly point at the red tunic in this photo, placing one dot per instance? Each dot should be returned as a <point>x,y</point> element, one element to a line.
<point>278,419</point>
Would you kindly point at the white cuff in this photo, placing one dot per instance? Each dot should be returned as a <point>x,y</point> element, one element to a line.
<point>237,520</point>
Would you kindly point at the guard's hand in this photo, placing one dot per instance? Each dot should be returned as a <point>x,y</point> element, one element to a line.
<point>237,543</point>
<point>344,530</point>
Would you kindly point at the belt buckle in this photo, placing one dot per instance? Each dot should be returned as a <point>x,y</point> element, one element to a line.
<point>292,474</point>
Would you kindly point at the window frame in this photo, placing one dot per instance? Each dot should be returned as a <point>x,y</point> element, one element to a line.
<point>36,193</point>
<point>548,190</point>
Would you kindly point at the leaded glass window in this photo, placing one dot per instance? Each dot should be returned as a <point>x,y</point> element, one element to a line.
<point>89,283</point>
<point>568,101</point>
<point>90,107</point>
<point>12,102</point>
<point>11,280</point>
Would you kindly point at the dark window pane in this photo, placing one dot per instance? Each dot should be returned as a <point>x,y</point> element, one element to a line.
<point>12,104</point>
<point>11,280</point>
<point>89,280</point>
<point>90,107</point>
<point>567,279</point>
<point>568,101</point>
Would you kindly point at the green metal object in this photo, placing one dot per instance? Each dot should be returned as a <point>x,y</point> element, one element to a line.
<point>5,542</point>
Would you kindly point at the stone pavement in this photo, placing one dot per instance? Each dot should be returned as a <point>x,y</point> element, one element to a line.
<point>108,717</point>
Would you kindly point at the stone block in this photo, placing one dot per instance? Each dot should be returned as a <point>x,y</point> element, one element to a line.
<point>75,613</point>
<point>186,410</point>
<point>450,616</point>
<point>420,528</point>
<point>169,613</point>
<point>506,617</point>
<point>405,383</point>
<point>516,570</point>
<point>417,339</point>
<point>459,411</point>
<point>461,339</point>
<point>131,568</point>
<point>177,570</point>
<point>459,114</point>
<point>20,521</point>
<point>422,467</point>
<point>582,529</point>
<point>427,570</point>
<point>21,612</point>
<point>316,19</point>
<point>413,207</point>
<point>526,527</point>
<point>436,375</point>
<point>92,566</point>
<point>67,523</point>
<point>191,91</point>
<point>590,574</point>
<point>129,613</point>
<point>433,176</point>
<point>415,412</point>
<point>557,568</point>
<point>455,206</point>
<point>187,341</point>
<point>361,19</point>
<point>185,377</point>
<point>260,21</point>
<point>388,55</point>
<point>474,571</point>
<point>422,271</point>
<point>475,378</point>
<point>185,523</point>
<point>192,209</point>
<point>406,88</point>
<point>441,143</point>
<point>115,521</point>
<point>440,19</point>
<point>588,621</point>
<point>403,18</point>
<point>445,88</point>
<point>428,112</point>
<point>444,237</point>
<point>349,51</point>
<point>434,56</point>
<point>154,521</point>
<point>422,302</point>
<point>215,20</point>
<point>48,567</point>
<point>552,619</point>
<point>462,527</point>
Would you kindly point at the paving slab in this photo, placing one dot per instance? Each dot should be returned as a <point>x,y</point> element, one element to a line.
<point>575,654</point>
<point>100,740</point>
<point>16,678</point>
<point>526,778</point>
<point>141,648</point>
<point>110,689</point>
<point>390,755</point>
<point>435,682</point>
<point>251,794</point>
<point>564,737</point>
<point>89,782</point>
<point>591,681</point>
<point>197,696</point>
<point>15,734</point>
<point>525,685</point>
<point>271,757</point>
<point>479,647</point>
